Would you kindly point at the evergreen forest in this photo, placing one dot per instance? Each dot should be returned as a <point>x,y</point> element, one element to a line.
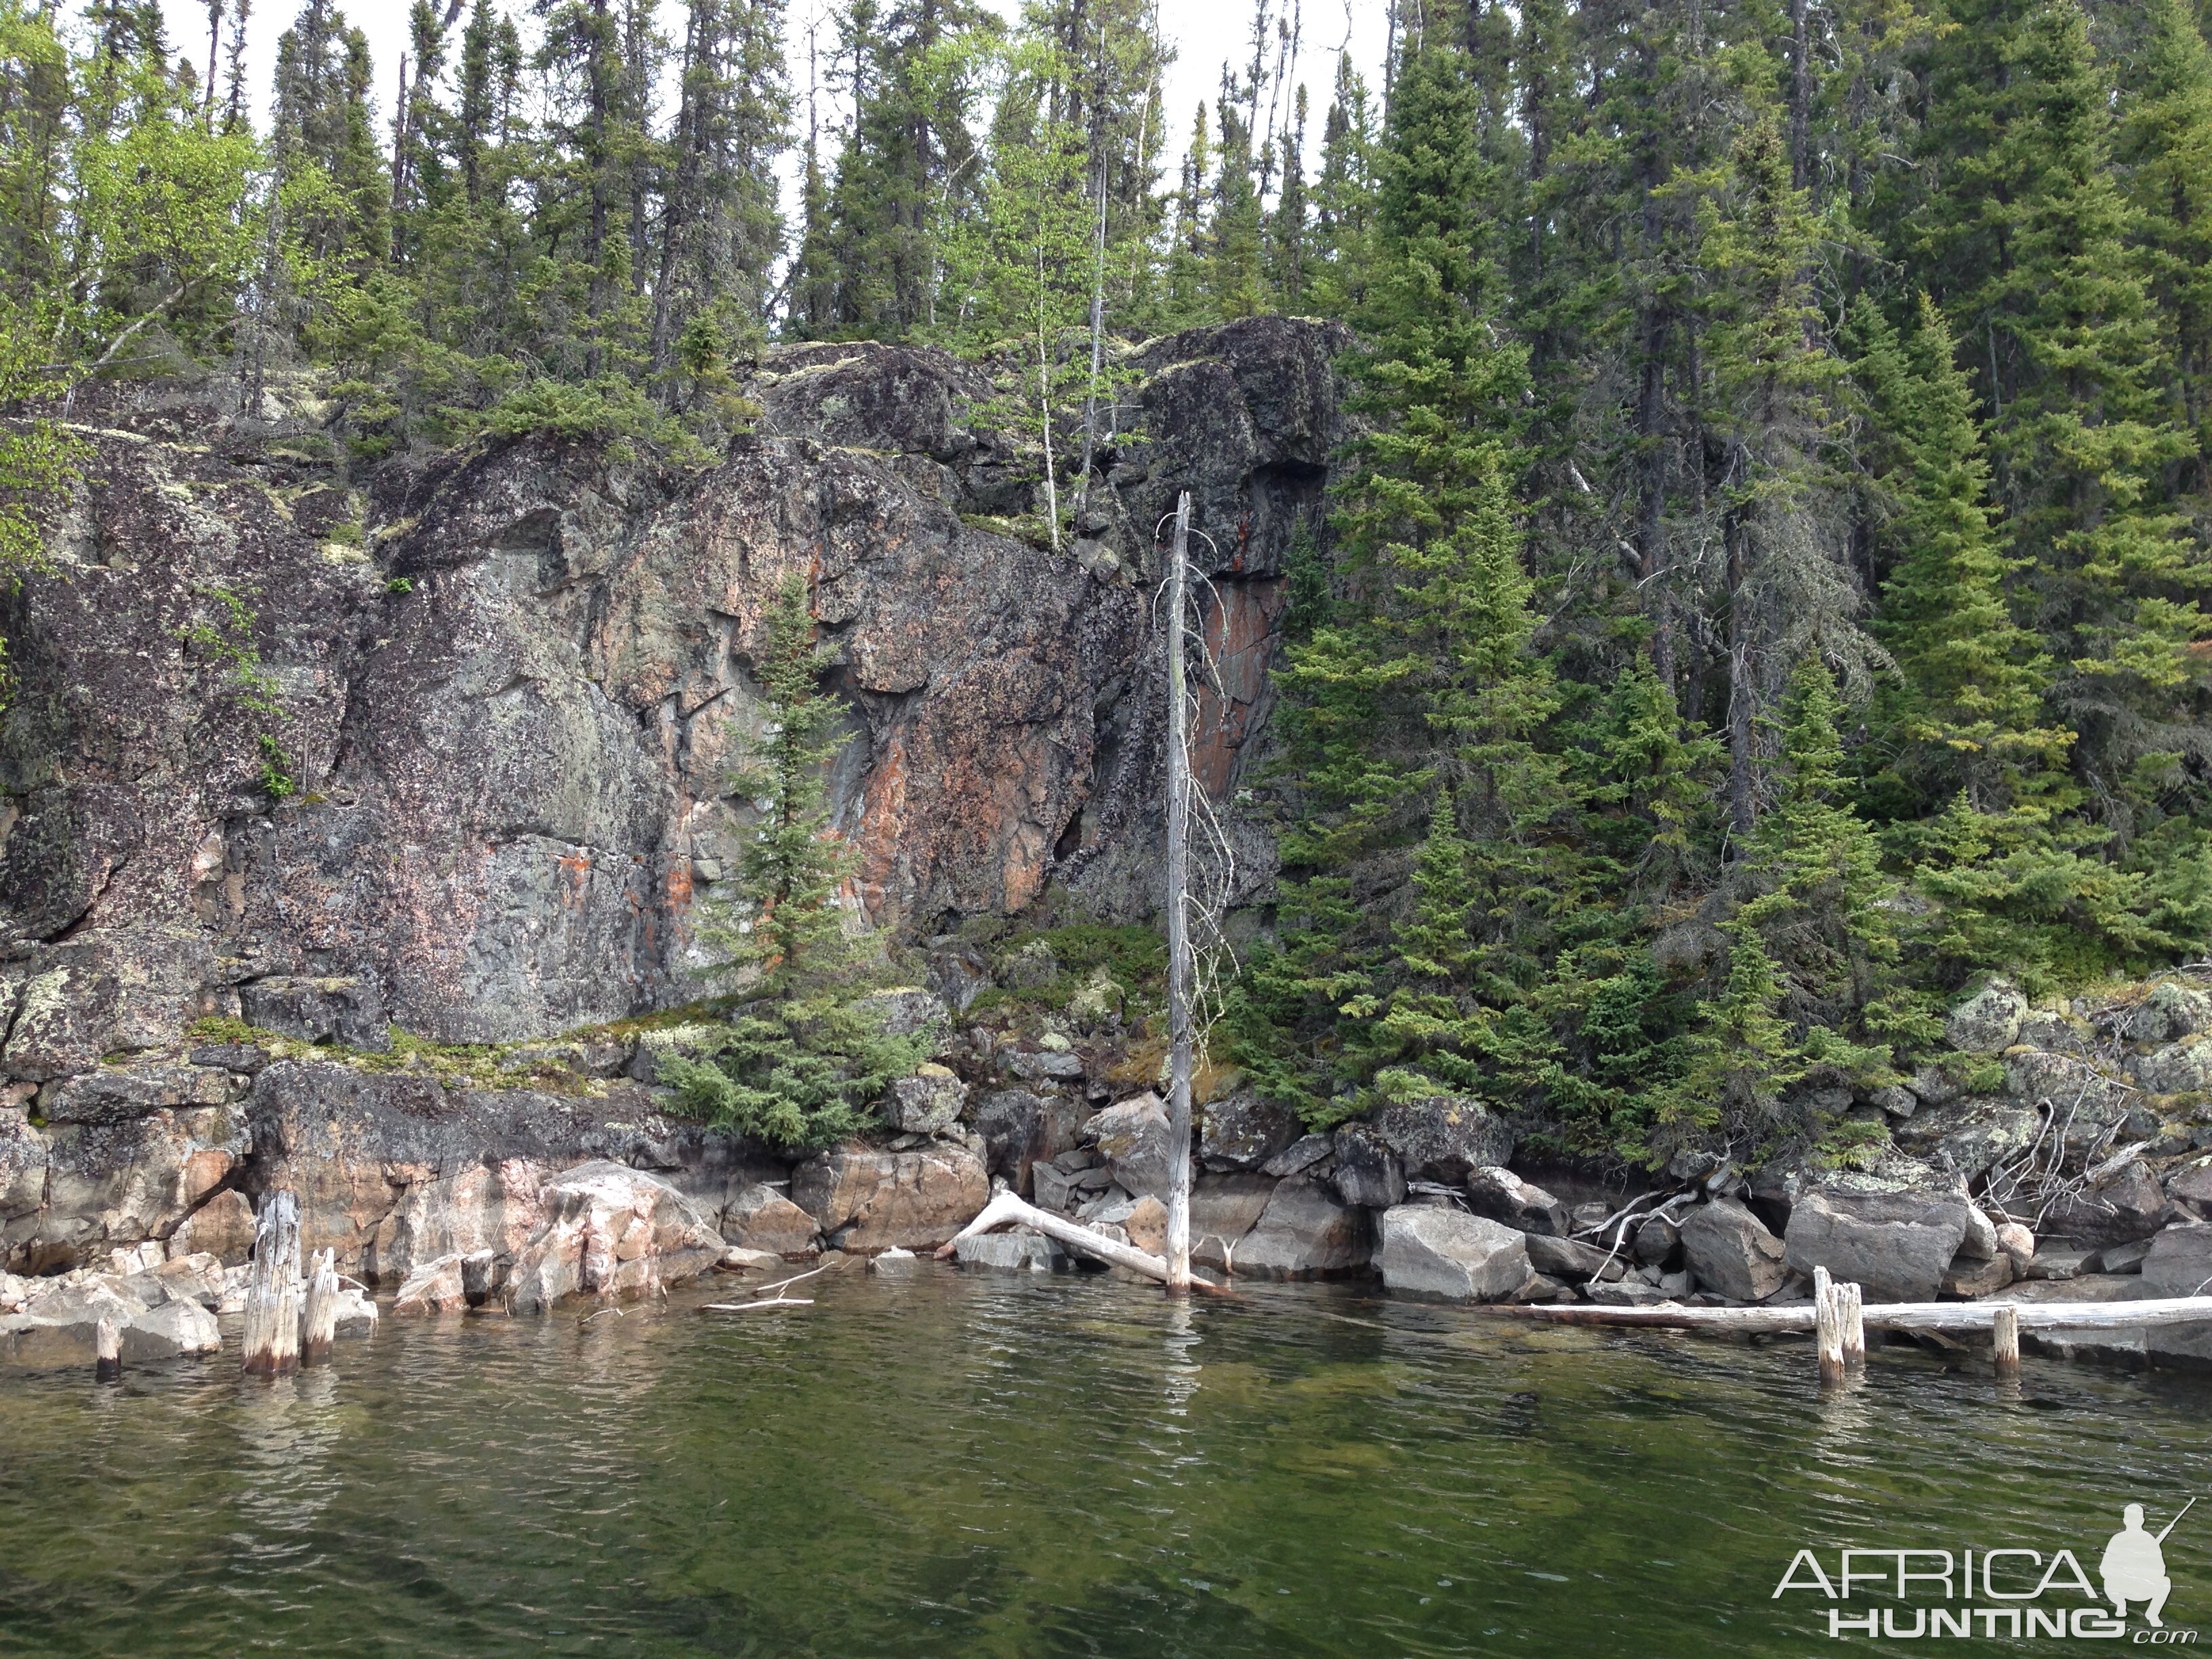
<point>1762,596</point>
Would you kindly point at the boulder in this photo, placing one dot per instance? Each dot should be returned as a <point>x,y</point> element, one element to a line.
<point>1968,1135</point>
<point>1147,1224</point>
<point>2191,1181</point>
<point>1368,1171</point>
<point>907,1011</point>
<point>1980,1243</point>
<point>1305,1233</point>
<point>2018,1244</point>
<point>1242,1132</point>
<point>2127,1258</point>
<point>612,1232</point>
<point>1223,1209</point>
<point>223,1227</point>
<point>1300,1154</point>
<point>2127,1204</point>
<point>759,1218</point>
<point>1053,1189</point>
<point>434,1287</point>
<point>1987,1022</point>
<point>2171,1012</point>
<point>1498,1193</point>
<point>1429,1250</point>
<point>1897,1246</point>
<point>1968,1277</point>
<point>1444,1137</point>
<point>1657,1243</point>
<point>1014,1250</point>
<point>2180,1262</point>
<point>1625,1293</point>
<point>1729,1251</point>
<point>926,1104</point>
<point>1022,1129</point>
<point>2180,1067</point>
<point>864,1202</point>
<point>1132,1138</point>
<point>1570,1260</point>
<point>62,1331</point>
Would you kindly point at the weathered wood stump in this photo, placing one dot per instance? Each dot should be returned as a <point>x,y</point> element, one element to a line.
<point>1827,1327</point>
<point>1851,1306</point>
<point>271,1346</point>
<point>2004,1333</point>
<point>318,1326</point>
<point>107,1352</point>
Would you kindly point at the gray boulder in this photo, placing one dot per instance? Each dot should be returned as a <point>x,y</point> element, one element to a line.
<point>1243,1132</point>
<point>2180,1067</point>
<point>1016,1250</point>
<point>1021,1129</point>
<point>1896,1245</point>
<point>1305,1233</point>
<point>1132,1138</point>
<point>1368,1171</point>
<point>1223,1209</point>
<point>1300,1154</point>
<point>1987,1022</point>
<point>2126,1205</point>
<point>1730,1251</point>
<point>1658,1243</point>
<point>1570,1260</point>
<point>865,1202</point>
<point>1498,1193</point>
<point>2171,1012</point>
<point>1429,1250</point>
<point>759,1218</point>
<point>2180,1262</point>
<point>926,1104</point>
<point>1445,1138</point>
<point>1968,1135</point>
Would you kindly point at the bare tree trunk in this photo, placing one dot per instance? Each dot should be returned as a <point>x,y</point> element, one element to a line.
<point>1179,1010</point>
<point>1097,356</point>
<point>1743,776</point>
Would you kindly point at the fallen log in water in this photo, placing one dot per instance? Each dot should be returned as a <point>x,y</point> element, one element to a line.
<point>1884,1316</point>
<point>1006,1209</point>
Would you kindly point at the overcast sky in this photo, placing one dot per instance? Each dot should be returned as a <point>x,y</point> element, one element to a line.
<point>1205,32</point>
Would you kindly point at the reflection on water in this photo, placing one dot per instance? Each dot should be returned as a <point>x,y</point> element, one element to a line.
<point>1009,1465</point>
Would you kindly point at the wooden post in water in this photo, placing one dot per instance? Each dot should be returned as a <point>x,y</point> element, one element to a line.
<point>1827,1327</point>
<point>2004,1332</point>
<point>319,1325</point>
<point>107,1352</point>
<point>272,1346</point>
<point>1179,1010</point>
<point>1851,1306</point>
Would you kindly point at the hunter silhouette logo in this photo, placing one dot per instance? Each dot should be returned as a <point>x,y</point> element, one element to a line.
<point>2133,1567</point>
<point>2005,1592</point>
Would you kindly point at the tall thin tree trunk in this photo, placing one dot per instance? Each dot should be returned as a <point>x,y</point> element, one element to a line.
<point>1743,777</point>
<point>1179,987</point>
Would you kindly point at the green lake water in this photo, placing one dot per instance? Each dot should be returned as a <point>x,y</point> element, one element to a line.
<point>985,1465</point>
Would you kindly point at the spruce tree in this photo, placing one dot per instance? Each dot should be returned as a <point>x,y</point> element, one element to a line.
<point>801,1058</point>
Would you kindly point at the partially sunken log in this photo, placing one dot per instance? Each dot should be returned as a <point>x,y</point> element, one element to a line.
<point>271,1345</point>
<point>1006,1209</point>
<point>319,1327</point>
<point>1883,1315</point>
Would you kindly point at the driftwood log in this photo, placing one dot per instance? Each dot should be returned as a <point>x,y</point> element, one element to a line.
<point>1883,1315</point>
<point>1006,1209</point>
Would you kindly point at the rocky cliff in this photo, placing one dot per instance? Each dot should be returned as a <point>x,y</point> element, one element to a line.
<point>443,748</point>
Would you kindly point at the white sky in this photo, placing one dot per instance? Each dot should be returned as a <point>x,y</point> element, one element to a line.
<point>1205,32</point>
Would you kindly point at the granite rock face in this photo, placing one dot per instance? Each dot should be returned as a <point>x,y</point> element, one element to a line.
<point>508,684</point>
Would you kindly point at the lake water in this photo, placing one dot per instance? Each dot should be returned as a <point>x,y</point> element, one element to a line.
<point>987,1464</point>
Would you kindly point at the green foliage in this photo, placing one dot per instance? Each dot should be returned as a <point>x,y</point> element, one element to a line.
<point>801,1057</point>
